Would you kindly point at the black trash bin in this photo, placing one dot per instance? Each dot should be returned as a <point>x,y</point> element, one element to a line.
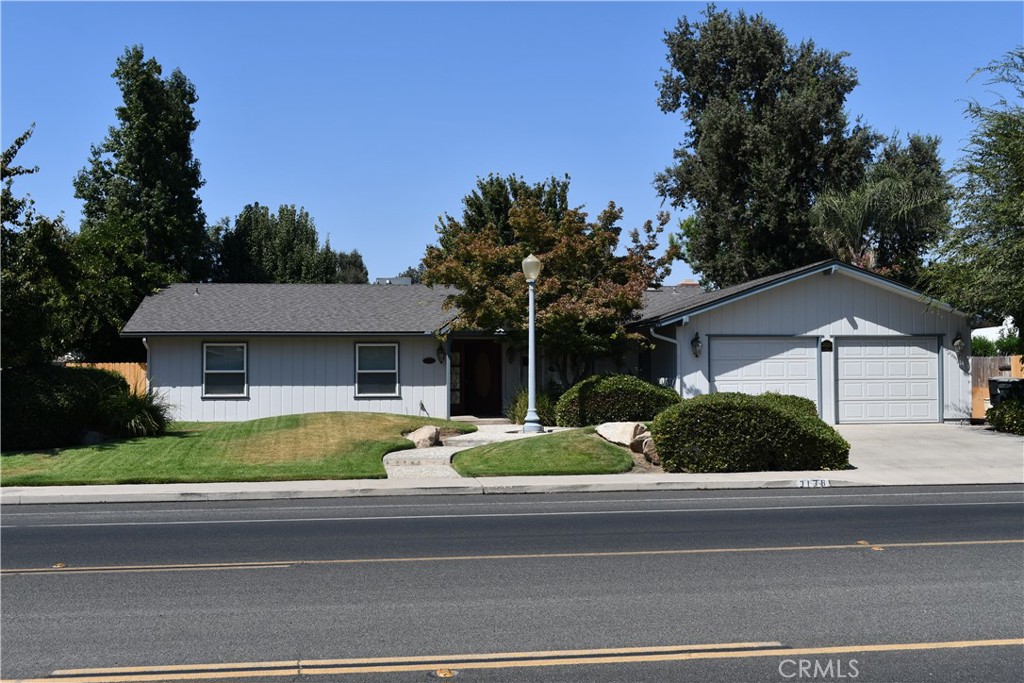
<point>1004,388</point>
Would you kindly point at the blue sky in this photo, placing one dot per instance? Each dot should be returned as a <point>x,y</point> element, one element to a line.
<point>379,117</point>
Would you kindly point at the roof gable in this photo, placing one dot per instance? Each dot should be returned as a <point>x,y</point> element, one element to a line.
<point>666,312</point>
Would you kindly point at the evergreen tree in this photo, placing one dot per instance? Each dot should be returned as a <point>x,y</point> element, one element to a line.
<point>766,134</point>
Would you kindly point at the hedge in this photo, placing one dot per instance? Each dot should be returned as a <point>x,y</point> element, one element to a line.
<point>516,409</point>
<point>1008,416</point>
<point>49,406</point>
<point>730,432</point>
<point>612,398</point>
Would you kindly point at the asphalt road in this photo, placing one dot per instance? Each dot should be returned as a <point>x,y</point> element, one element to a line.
<point>915,584</point>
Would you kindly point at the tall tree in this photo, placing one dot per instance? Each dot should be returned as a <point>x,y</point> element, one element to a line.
<point>38,276</point>
<point>143,177</point>
<point>586,293</point>
<point>767,133</point>
<point>281,247</point>
<point>890,221</point>
<point>142,220</point>
<point>980,261</point>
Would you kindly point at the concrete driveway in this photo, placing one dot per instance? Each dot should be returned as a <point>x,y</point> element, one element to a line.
<point>932,454</point>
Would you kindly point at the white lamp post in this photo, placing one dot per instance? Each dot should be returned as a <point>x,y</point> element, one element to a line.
<point>531,269</point>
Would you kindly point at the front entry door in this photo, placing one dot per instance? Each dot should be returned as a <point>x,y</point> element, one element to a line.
<point>477,389</point>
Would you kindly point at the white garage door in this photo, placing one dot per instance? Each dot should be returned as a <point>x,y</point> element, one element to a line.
<point>755,365</point>
<point>888,380</point>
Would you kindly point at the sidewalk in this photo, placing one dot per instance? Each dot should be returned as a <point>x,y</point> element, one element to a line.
<point>883,455</point>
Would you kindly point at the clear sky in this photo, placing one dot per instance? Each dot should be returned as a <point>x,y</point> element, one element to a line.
<point>379,117</point>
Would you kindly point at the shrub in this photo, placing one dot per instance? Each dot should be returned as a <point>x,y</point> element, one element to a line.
<point>612,398</point>
<point>731,432</point>
<point>50,405</point>
<point>797,404</point>
<point>1008,416</point>
<point>516,409</point>
<point>128,414</point>
<point>982,346</point>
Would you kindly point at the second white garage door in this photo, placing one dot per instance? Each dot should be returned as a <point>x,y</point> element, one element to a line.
<point>755,365</point>
<point>888,380</point>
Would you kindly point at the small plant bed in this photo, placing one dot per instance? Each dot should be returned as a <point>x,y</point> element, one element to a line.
<point>292,447</point>
<point>578,451</point>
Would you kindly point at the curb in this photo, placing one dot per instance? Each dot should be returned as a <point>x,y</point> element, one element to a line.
<point>161,493</point>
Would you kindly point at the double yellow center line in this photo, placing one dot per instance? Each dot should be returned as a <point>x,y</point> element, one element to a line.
<point>284,564</point>
<point>497,660</point>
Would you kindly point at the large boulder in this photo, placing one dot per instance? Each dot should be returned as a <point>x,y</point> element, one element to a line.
<point>621,433</point>
<point>425,437</point>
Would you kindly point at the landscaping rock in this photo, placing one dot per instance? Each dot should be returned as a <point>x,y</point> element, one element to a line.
<point>621,433</point>
<point>637,444</point>
<point>650,452</point>
<point>425,437</point>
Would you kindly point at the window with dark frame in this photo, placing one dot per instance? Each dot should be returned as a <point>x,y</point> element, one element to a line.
<point>225,369</point>
<point>377,370</point>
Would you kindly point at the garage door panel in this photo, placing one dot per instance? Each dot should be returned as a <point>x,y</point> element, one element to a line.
<point>888,380</point>
<point>755,365</point>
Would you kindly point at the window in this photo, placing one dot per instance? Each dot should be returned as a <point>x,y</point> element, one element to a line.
<point>224,370</point>
<point>376,369</point>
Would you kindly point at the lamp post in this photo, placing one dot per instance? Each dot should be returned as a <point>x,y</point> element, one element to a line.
<point>531,425</point>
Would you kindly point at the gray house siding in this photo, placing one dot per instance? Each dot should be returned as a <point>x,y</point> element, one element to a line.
<point>838,308</point>
<point>289,375</point>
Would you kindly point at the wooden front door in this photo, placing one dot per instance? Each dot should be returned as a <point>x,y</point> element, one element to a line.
<point>476,378</point>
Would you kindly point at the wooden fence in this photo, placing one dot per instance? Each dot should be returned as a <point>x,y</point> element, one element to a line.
<point>134,373</point>
<point>984,367</point>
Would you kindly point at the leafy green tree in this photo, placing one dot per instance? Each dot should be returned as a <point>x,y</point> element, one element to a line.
<point>143,177</point>
<point>281,247</point>
<point>982,346</point>
<point>891,220</point>
<point>142,220</point>
<point>38,275</point>
<point>414,273</point>
<point>766,133</point>
<point>980,261</point>
<point>586,293</point>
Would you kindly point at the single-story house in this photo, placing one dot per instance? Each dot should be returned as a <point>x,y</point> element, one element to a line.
<point>862,347</point>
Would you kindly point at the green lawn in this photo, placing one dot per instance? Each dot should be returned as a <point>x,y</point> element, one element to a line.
<point>312,446</point>
<point>578,451</point>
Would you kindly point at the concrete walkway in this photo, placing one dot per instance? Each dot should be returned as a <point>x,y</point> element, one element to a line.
<point>883,455</point>
<point>435,463</point>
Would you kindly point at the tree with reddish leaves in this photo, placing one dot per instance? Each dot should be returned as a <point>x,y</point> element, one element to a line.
<point>588,291</point>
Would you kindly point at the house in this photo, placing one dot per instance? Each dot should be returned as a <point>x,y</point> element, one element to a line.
<point>862,347</point>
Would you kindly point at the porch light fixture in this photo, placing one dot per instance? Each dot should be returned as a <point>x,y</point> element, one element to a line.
<point>441,355</point>
<point>958,344</point>
<point>696,345</point>
<point>531,425</point>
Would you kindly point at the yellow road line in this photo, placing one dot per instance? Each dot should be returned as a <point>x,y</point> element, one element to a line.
<point>475,558</point>
<point>491,661</point>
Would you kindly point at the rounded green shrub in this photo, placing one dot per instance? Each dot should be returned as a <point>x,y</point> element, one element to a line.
<point>798,404</point>
<point>1008,416</point>
<point>50,405</point>
<point>128,414</point>
<point>731,432</point>
<point>516,409</point>
<point>612,398</point>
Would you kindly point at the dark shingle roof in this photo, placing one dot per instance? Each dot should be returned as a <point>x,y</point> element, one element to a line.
<point>290,309</point>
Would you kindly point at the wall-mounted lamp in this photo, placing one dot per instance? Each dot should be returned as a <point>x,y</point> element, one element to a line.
<point>441,355</point>
<point>696,345</point>
<point>958,344</point>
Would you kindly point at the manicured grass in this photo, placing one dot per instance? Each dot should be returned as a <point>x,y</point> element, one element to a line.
<point>578,451</point>
<point>312,446</point>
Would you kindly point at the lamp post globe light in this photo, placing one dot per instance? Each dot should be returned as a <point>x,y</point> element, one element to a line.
<point>531,425</point>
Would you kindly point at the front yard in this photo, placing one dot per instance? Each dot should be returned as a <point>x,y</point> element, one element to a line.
<point>293,447</point>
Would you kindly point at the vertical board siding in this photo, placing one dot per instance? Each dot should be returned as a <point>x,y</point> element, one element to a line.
<point>289,375</point>
<point>829,307</point>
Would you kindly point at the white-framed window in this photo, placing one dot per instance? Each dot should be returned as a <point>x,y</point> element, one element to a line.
<point>225,367</point>
<point>377,370</point>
